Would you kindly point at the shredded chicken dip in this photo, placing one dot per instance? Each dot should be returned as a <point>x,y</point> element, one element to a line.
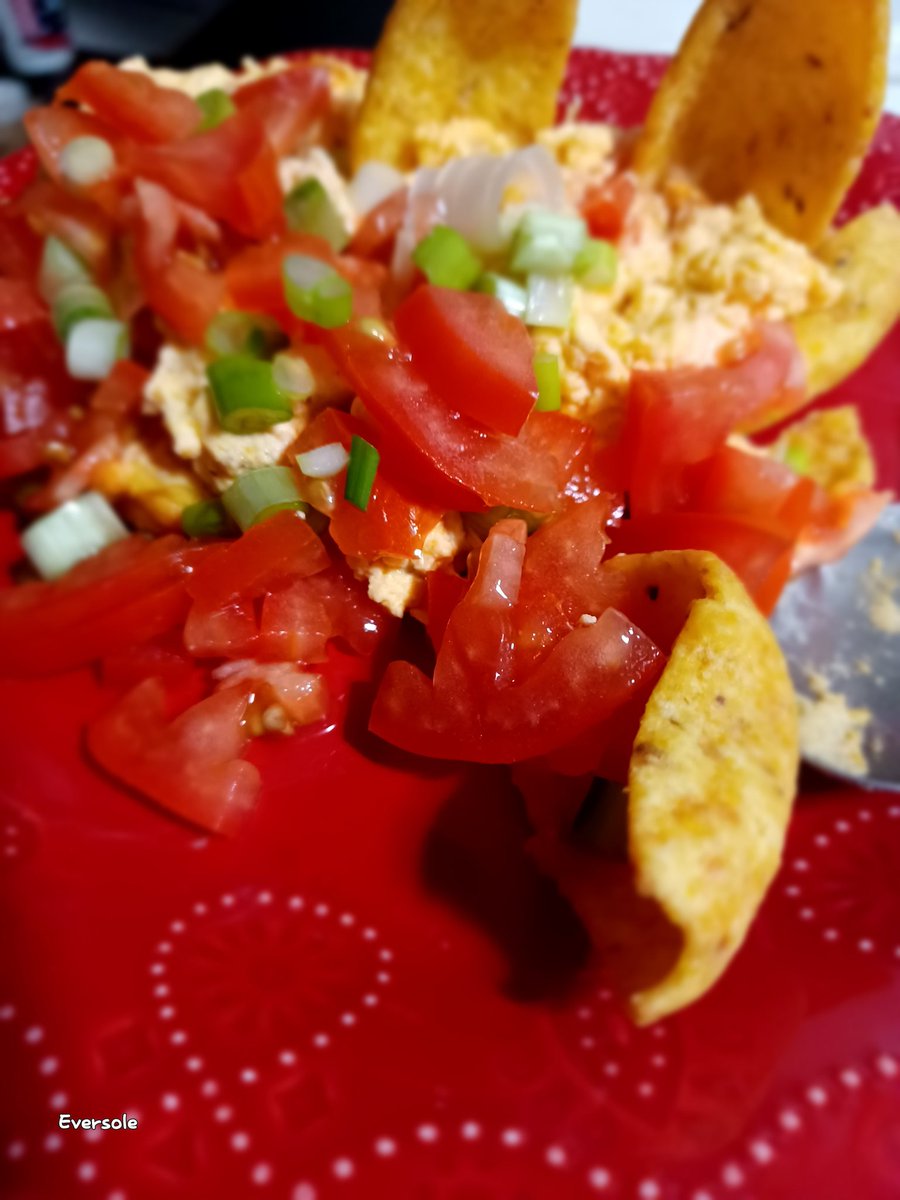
<point>692,278</point>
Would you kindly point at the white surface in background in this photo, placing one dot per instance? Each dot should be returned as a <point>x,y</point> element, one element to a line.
<point>656,26</point>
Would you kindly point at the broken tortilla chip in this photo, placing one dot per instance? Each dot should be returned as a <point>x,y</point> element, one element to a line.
<point>774,98</point>
<point>710,787</point>
<point>836,340</point>
<point>501,60</point>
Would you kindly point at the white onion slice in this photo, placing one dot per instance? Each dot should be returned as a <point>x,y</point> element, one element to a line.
<point>549,301</point>
<point>324,461</point>
<point>482,196</point>
<point>86,160</point>
<point>93,345</point>
<point>372,183</point>
<point>72,532</point>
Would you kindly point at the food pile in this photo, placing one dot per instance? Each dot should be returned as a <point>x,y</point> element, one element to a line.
<point>293,353</point>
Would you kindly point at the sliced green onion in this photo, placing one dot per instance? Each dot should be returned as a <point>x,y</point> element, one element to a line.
<point>511,295</point>
<point>60,267</point>
<point>76,302</point>
<point>324,461</point>
<point>596,264</point>
<point>93,345</point>
<point>215,107</point>
<point>293,376</point>
<point>446,258</point>
<point>238,332</point>
<point>309,209</point>
<point>797,458</point>
<point>374,327</point>
<point>245,396</point>
<point>547,243</point>
<point>72,532</point>
<point>86,160</point>
<point>315,292</point>
<point>546,372</point>
<point>361,468</point>
<point>206,518</point>
<point>549,301</point>
<point>260,494</point>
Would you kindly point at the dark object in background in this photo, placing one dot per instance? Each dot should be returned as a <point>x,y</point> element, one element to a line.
<point>266,27</point>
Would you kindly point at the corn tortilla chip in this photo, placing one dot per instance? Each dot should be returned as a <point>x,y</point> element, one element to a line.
<point>710,787</point>
<point>864,255</point>
<point>501,60</point>
<point>773,97</point>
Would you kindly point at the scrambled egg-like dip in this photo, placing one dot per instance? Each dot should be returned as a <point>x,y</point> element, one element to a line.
<point>692,277</point>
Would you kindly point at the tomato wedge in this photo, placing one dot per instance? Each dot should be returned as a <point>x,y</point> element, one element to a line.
<point>752,487</point>
<point>231,173</point>
<point>132,102</point>
<point>450,461</point>
<point>127,594</point>
<point>474,354</point>
<point>680,417</point>
<point>190,766</point>
<point>287,104</point>
<point>478,707</point>
<point>272,553</point>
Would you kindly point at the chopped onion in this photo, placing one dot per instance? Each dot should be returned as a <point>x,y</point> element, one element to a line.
<point>245,396</point>
<point>308,208</point>
<point>215,106</point>
<point>446,259</point>
<point>60,267</point>
<point>596,264</point>
<point>234,331</point>
<point>549,301</point>
<point>547,243</point>
<point>93,345</point>
<point>86,160</point>
<point>511,295</point>
<point>546,372</point>
<point>482,196</point>
<point>293,376</point>
<point>372,183</point>
<point>72,532</point>
<point>361,470</point>
<point>324,461</point>
<point>260,494</point>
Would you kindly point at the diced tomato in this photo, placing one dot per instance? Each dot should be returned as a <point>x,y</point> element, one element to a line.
<point>226,630</point>
<point>753,487</point>
<point>449,461</point>
<point>179,288</point>
<point>184,680</point>
<point>231,173</point>
<point>36,392</point>
<point>190,766</point>
<point>392,524</point>
<point>132,102</point>
<point>20,304</point>
<point>127,594</point>
<point>605,207</point>
<point>287,104</point>
<point>268,555</point>
<point>20,247</point>
<point>837,522</point>
<point>10,546</point>
<point>758,552</point>
<point>588,468</point>
<point>374,238</point>
<point>445,589</point>
<point>52,127</point>
<point>680,417</point>
<point>474,354</point>
<point>478,707</point>
<point>75,220</point>
<point>295,625</point>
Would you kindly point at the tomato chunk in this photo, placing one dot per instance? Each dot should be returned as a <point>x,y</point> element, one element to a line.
<point>287,104</point>
<point>480,706</point>
<point>132,102</point>
<point>474,354</point>
<point>605,207</point>
<point>272,553</point>
<point>190,766</point>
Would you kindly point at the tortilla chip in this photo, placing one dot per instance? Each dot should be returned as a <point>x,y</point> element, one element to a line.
<point>502,60</point>
<point>829,446</point>
<point>710,787</point>
<point>863,254</point>
<point>773,97</point>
